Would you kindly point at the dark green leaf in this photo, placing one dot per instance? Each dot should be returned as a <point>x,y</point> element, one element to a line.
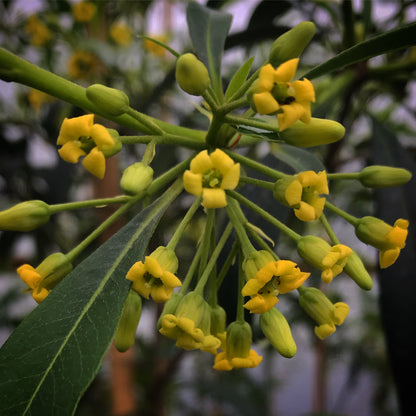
<point>401,37</point>
<point>52,357</point>
<point>298,159</point>
<point>208,30</point>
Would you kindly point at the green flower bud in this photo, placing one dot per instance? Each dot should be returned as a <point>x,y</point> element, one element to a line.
<point>166,258</point>
<point>191,74</point>
<point>218,320</point>
<point>194,307</point>
<point>356,270</point>
<point>25,216</point>
<point>255,261</point>
<point>291,44</point>
<point>53,269</point>
<point>315,133</point>
<point>109,101</point>
<point>276,329</point>
<point>136,178</point>
<point>239,339</point>
<point>129,320</point>
<point>383,176</point>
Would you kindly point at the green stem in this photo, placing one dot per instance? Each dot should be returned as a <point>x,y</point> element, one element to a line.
<point>328,228</point>
<point>232,105</point>
<point>90,203</point>
<point>348,175</point>
<point>268,217</point>
<point>257,182</point>
<point>206,239</point>
<point>191,270</point>
<point>211,137</point>
<point>185,221</point>
<point>240,301</point>
<point>232,119</point>
<point>348,217</point>
<point>170,139</point>
<point>259,167</point>
<point>199,288</point>
<point>148,123</point>
<point>238,225</point>
<point>227,264</point>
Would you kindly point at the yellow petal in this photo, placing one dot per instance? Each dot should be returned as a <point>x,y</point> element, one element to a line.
<point>170,280</point>
<point>293,193</point>
<point>303,90</point>
<point>101,136</point>
<point>286,71</point>
<point>388,257</point>
<point>251,287</point>
<point>213,198</point>
<point>74,128</point>
<point>94,162</point>
<point>136,271</point>
<point>325,330</point>
<point>231,178</point>
<point>39,294</point>
<point>201,162</point>
<point>266,78</point>
<point>153,267</point>
<point>341,311</point>
<point>192,182</point>
<point>29,275</point>
<point>305,212</point>
<point>160,293</point>
<point>291,113</point>
<point>71,152</point>
<point>221,161</point>
<point>265,103</point>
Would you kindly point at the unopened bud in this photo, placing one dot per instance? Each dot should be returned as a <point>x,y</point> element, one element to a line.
<point>25,216</point>
<point>315,133</point>
<point>291,44</point>
<point>136,178</point>
<point>355,269</point>
<point>218,320</point>
<point>191,74</point>
<point>53,269</point>
<point>129,320</point>
<point>383,176</point>
<point>276,329</point>
<point>108,101</point>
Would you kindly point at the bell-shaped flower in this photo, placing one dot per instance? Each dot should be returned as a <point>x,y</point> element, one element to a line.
<point>210,175</point>
<point>190,325</point>
<point>386,238</point>
<point>330,259</point>
<point>155,277</point>
<point>275,277</point>
<point>79,136</point>
<point>325,313</point>
<point>303,192</point>
<point>276,94</point>
<point>238,352</point>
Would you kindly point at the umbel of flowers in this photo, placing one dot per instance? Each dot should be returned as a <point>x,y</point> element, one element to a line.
<point>214,176</point>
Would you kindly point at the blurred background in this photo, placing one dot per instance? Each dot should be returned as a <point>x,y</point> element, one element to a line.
<point>363,368</point>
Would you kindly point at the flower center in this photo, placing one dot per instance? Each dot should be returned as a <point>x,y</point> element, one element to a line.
<point>152,281</point>
<point>283,93</point>
<point>212,178</point>
<point>271,288</point>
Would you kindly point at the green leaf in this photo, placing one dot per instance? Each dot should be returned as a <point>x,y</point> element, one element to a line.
<point>208,30</point>
<point>297,158</point>
<point>238,79</point>
<point>54,354</point>
<point>401,37</point>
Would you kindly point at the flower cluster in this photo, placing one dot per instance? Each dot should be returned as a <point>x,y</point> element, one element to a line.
<point>216,177</point>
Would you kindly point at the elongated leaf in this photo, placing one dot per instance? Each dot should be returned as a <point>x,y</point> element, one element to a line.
<point>298,159</point>
<point>401,37</point>
<point>238,79</point>
<point>52,357</point>
<point>208,30</point>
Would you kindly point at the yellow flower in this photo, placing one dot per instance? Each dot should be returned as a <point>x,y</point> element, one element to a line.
<point>39,33</point>
<point>389,240</point>
<point>322,311</point>
<point>43,278</point>
<point>291,100</point>
<point>82,64</point>
<point>190,325</point>
<point>317,252</point>
<point>275,277</point>
<point>120,33</point>
<point>155,277</point>
<point>84,11</point>
<point>79,136</point>
<point>210,175</point>
<point>153,47</point>
<point>238,352</point>
<point>302,192</point>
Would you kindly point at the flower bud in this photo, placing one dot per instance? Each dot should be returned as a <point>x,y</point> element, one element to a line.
<point>170,307</point>
<point>114,147</point>
<point>239,339</point>
<point>191,74</point>
<point>255,261</point>
<point>292,43</point>
<point>53,269</point>
<point>129,320</point>
<point>136,178</point>
<point>218,320</point>
<point>109,101</point>
<point>166,258</point>
<point>276,329</point>
<point>315,133</point>
<point>383,176</point>
<point>25,216</point>
<point>355,269</point>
